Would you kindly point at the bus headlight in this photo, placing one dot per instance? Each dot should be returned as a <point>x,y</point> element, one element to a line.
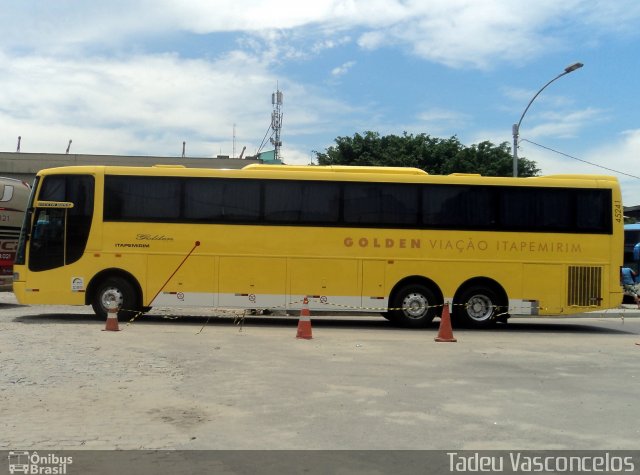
<point>16,276</point>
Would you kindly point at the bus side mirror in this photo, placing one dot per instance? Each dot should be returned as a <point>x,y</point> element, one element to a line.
<point>53,204</point>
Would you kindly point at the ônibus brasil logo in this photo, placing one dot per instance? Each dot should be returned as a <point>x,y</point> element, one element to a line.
<point>23,461</point>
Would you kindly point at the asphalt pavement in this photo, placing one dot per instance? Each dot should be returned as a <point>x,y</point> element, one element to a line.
<point>184,379</point>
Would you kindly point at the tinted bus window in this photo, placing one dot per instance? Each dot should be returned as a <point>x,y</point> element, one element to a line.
<point>458,207</point>
<point>247,201</point>
<point>213,200</point>
<point>240,200</point>
<point>530,209</point>
<point>301,202</point>
<point>383,204</point>
<point>593,210</point>
<point>132,198</point>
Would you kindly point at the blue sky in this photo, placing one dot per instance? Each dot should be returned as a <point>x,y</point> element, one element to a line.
<point>142,76</point>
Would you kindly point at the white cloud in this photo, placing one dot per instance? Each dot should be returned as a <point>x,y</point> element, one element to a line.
<point>620,158</point>
<point>618,16</point>
<point>330,43</point>
<point>148,105</point>
<point>83,70</point>
<point>342,69</point>
<point>563,124</point>
<point>452,32</point>
<point>441,115</point>
<point>172,97</point>
<point>623,156</point>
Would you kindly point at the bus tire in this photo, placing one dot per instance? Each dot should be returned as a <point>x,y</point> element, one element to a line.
<point>478,307</point>
<point>119,291</point>
<point>414,306</point>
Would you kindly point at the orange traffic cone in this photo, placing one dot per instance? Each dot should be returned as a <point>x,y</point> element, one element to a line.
<point>445,333</point>
<point>112,319</point>
<point>304,323</point>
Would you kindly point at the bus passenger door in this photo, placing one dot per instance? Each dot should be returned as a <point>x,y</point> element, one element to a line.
<point>48,239</point>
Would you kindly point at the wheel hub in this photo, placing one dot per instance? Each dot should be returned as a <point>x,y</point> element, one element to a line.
<point>479,307</point>
<point>112,297</point>
<point>415,305</point>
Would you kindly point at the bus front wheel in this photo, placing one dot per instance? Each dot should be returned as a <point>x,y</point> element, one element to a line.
<point>115,291</point>
<point>413,306</point>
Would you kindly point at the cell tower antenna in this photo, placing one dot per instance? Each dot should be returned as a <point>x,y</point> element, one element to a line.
<point>276,121</point>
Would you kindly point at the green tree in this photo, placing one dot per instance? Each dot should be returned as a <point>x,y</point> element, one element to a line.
<point>434,155</point>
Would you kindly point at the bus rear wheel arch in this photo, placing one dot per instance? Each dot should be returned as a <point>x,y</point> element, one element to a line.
<point>415,304</point>
<point>118,290</point>
<point>479,304</point>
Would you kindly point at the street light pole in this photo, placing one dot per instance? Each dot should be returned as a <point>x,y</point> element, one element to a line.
<point>516,127</point>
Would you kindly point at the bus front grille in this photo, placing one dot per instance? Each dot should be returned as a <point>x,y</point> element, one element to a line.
<point>585,286</point>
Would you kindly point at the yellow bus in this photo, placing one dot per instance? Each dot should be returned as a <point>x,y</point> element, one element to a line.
<point>394,240</point>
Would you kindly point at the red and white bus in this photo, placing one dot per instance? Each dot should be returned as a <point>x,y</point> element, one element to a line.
<point>14,196</point>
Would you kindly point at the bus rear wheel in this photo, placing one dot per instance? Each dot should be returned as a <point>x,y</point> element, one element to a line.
<point>115,291</point>
<point>479,306</point>
<point>414,306</point>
